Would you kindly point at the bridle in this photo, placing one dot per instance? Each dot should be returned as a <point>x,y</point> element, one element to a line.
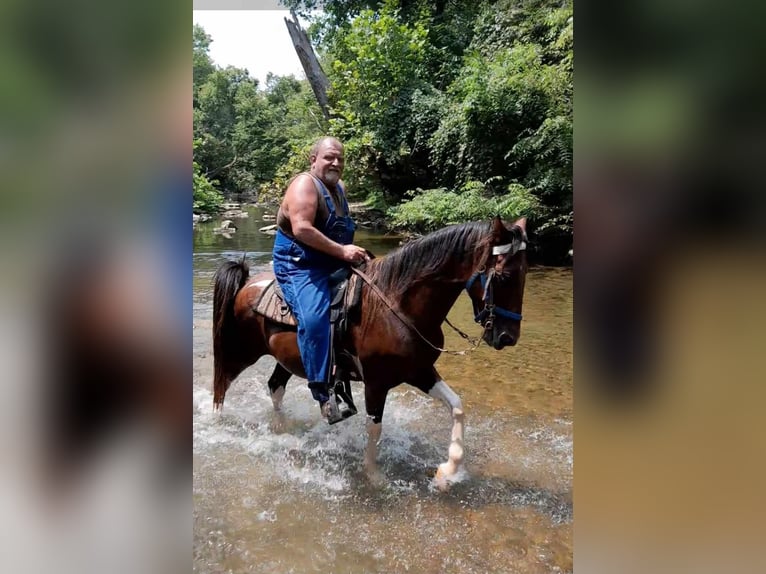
<point>490,310</point>
<point>486,315</point>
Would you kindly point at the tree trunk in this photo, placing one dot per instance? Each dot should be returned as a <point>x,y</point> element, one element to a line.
<point>311,67</point>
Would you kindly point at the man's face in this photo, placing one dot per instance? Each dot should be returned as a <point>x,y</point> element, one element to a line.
<point>327,165</point>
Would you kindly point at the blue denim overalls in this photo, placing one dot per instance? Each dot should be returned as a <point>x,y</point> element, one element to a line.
<point>303,274</point>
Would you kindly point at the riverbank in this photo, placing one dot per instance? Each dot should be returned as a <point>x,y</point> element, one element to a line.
<point>366,217</point>
<point>548,250</point>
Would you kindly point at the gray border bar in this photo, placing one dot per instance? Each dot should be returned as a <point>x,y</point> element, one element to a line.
<point>238,5</point>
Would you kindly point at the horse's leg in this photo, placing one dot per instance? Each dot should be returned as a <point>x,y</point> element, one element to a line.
<point>433,384</point>
<point>375,402</point>
<point>277,383</point>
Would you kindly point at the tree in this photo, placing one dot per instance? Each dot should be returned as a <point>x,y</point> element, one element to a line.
<point>448,109</point>
<point>205,197</point>
<point>203,65</point>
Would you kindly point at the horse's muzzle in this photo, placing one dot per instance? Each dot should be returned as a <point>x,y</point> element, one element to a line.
<point>504,340</point>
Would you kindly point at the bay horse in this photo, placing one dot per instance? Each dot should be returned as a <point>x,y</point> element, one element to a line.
<point>422,279</point>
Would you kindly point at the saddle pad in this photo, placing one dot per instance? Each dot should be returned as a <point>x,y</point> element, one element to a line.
<point>272,305</point>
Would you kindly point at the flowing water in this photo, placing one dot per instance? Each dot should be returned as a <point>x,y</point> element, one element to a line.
<point>286,494</point>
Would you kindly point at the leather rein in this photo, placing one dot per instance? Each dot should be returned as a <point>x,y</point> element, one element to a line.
<point>489,312</point>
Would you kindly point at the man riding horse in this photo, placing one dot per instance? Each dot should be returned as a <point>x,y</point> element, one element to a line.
<point>314,239</point>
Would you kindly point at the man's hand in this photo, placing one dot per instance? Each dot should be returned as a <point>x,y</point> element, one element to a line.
<point>354,254</point>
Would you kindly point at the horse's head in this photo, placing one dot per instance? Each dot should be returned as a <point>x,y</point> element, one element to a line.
<point>497,287</point>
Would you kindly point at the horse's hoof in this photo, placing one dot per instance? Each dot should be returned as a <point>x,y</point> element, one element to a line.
<point>443,480</point>
<point>375,477</point>
<point>440,480</point>
<point>278,422</point>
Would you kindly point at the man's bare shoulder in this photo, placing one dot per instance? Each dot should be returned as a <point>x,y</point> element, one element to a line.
<point>302,187</point>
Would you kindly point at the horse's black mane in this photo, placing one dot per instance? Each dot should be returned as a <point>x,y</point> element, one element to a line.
<point>427,257</point>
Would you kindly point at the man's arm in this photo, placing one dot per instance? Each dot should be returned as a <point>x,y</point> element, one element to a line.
<point>302,202</point>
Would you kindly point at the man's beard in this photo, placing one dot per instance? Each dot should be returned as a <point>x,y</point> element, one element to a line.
<point>332,177</point>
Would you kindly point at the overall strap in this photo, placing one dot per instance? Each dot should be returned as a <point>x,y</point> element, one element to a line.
<point>342,194</point>
<point>325,193</point>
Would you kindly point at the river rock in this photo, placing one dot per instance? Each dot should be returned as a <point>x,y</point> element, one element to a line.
<point>226,227</point>
<point>269,230</point>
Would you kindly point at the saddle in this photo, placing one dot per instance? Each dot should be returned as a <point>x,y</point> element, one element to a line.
<point>345,297</point>
<point>272,304</point>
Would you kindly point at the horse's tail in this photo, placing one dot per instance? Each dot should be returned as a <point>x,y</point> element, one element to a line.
<point>229,279</point>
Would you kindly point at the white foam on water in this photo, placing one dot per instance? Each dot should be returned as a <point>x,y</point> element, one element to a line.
<point>203,401</point>
<point>310,454</point>
<point>327,461</point>
<point>551,442</point>
<point>267,516</point>
<point>438,485</point>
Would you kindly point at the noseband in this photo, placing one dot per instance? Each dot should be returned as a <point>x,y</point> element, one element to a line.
<point>486,316</point>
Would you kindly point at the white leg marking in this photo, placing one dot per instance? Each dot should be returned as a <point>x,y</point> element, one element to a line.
<point>456,452</point>
<point>371,452</point>
<point>276,398</point>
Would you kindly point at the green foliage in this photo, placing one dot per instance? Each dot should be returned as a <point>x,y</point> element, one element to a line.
<point>374,71</point>
<point>245,134</point>
<point>201,62</point>
<point>434,208</point>
<point>469,100</point>
<point>296,161</point>
<point>508,113</point>
<point>206,198</point>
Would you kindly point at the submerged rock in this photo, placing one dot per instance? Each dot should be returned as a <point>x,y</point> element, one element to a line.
<point>227,227</point>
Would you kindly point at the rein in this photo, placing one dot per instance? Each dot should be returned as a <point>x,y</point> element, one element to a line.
<point>489,312</point>
<point>402,317</point>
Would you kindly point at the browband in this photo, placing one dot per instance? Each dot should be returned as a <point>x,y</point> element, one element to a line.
<point>503,249</point>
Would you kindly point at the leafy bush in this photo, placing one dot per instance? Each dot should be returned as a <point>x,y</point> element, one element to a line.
<point>468,102</point>
<point>431,209</point>
<point>205,197</point>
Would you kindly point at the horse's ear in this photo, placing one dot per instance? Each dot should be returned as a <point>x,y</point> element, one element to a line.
<point>521,222</point>
<point>498,229</point>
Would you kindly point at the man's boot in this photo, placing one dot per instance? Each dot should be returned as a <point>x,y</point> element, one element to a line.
<point>328,402</point>
<point>330,409</point>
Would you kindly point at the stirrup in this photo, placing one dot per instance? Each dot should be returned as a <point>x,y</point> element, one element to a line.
<point>332,412</point>
<point>343,392</point>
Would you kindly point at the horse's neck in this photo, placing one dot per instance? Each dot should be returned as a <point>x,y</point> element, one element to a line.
<point>434,301</point>
<point>429,299</point>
